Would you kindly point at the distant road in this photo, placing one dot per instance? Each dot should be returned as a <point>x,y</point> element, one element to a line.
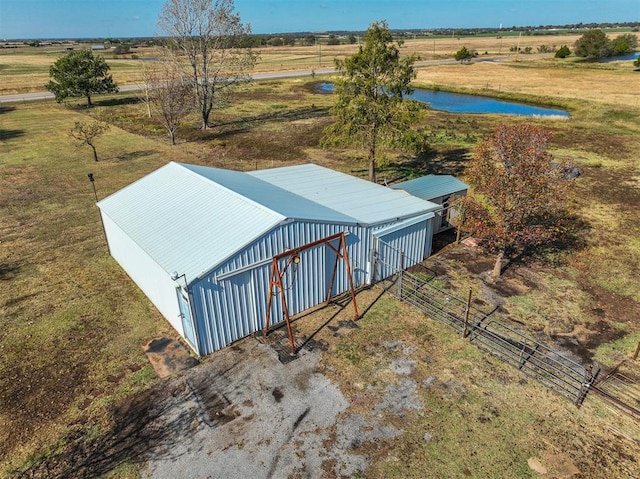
<point>45,95</point>
<point>21,97</point>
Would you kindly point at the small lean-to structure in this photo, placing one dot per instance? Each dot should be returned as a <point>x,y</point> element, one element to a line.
<point>201,242</point>
<point>437,189</point>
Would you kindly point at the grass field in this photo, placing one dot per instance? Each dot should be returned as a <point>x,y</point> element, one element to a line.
<point>27,69</point>
<point>73,323</point>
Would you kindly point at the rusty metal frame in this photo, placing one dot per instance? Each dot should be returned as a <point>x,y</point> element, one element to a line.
<point>293,255</point>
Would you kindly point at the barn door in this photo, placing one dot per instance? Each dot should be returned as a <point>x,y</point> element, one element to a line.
<point>185,315</point>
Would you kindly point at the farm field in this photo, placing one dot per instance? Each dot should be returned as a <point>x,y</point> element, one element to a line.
<point>74,323</point>
<point>26,69</point>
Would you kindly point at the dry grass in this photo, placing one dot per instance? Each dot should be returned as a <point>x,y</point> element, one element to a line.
<point>548,80</point>
<point>481,418</point>
<point>73,326</point>
<point>27,69</point>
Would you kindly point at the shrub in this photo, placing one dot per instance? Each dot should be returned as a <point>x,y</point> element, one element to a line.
<point>563,52</point>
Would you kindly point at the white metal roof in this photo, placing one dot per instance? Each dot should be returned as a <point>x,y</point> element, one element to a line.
<point>367,202</point>
<point>432,186</point>
<point>270,196</point>
<point>191,218</point>
<point>186,222</point>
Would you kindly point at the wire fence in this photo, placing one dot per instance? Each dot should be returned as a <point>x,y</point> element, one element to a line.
<point>557,372</point>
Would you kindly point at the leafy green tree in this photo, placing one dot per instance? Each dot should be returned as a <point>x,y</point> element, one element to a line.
<point>209,40</point>
<point>623,44</point>
<point>593,44</point>
<point>79,74</point>
<point>86,134</point>
<point>370,109</point>
<point>464,55</point>
<point>637,62</point>
<point>518,192</point>
<point>563,52</point>
<point>275,41</point>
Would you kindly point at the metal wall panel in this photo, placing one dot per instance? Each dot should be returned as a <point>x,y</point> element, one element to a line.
<point>231,302</point>
<point>408,238</point>
<point>145,272</point>
<point>230,305</point>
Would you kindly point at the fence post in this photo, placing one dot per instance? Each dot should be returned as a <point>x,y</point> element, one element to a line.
<point>401,269</point>
<point>635,355</point>
<point>586,385</point>
<point>466,315</point>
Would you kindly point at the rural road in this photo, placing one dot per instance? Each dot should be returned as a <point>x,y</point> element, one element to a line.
<point>23,97</point>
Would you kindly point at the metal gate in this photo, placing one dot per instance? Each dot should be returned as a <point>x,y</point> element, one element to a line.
<point>557,372</point>
<point>620,386</point>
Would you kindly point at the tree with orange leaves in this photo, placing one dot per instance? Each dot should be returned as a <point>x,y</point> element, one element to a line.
<point>518,192</point>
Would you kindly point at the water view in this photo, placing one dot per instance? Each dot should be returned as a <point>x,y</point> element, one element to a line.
<point>627,57</point>
<point>462,103</point>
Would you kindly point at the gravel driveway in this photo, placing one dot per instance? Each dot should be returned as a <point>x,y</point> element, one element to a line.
<point>250,416</point>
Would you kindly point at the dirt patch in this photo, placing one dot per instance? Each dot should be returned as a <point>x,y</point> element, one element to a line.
<point>582,341</point>
<point>168,356</point>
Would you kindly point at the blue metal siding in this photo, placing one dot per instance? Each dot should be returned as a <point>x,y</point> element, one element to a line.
<point>230,305</point>
<point>231,302</point>
<point>409,238</point>
<point>218,231</point>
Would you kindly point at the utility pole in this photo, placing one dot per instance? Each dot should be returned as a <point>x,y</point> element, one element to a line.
<point>93,183</point>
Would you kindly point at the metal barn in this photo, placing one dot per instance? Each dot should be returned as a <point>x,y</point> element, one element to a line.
<point>437,189</point>
<point>200,242</point>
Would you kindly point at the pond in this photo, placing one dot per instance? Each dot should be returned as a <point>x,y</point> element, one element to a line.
<point>462,103</point>
<point>627,57</point>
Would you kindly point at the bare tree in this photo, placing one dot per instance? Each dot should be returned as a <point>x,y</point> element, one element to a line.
<point>86,133</point>
<point>146,85</point>
<point>209,38</point>
<point>169,96</point>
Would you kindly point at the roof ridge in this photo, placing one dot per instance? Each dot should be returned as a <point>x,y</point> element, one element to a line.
<point>226,188</point>
<point>269,185</point>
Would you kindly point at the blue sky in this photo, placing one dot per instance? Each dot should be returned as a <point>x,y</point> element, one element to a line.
<point>128,18</point>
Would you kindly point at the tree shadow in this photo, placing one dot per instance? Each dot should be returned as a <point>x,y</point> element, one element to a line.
<point>428,162</point>
<point>119,101</point>
<point>143,428</point>
<point>228,129</point>
<point>10,134</point>
<point>573,236</point>
<point>242,125</point>
<point>452,162</point>
<point>6,109</point>
<point>8,271</point>
<point>134,155</point>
